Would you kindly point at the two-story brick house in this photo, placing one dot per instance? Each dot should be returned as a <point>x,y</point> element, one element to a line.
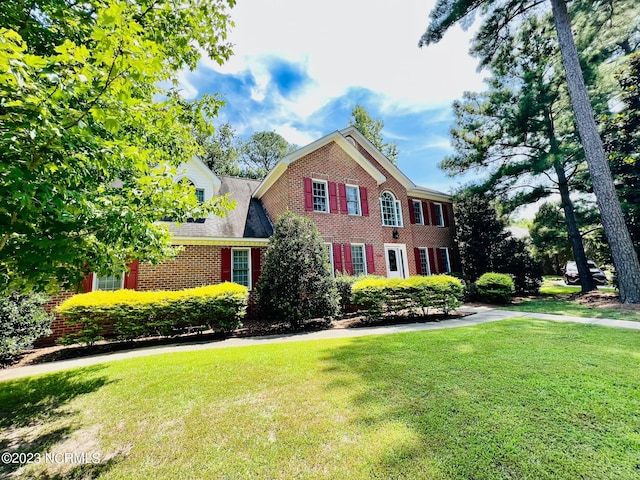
<point>372,217</point>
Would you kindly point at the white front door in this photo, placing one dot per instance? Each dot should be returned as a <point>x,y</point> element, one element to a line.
<point>396,259</point>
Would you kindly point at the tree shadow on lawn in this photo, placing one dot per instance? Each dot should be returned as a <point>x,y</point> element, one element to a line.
<point>35,418</point>
<point>472,403</point>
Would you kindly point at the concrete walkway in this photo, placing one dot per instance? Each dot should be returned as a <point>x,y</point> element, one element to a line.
<point>478,316</point>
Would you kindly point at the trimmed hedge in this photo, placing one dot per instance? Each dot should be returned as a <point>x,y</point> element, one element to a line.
<point>495,287</point>
<point>128,314</point>
<point>379,296</point>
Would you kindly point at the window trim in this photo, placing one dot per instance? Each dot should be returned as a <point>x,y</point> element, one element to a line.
<point>94,285</point>
<point>364,259</point>
<point>424,250</point>
<point>358,199</point>
<point>397,209</point>
<point>416,210</point>
<point>446,249</point>
<point>329,245</point>
<point>249,269</point>
<point>435,209</point>
<point>326,197</point>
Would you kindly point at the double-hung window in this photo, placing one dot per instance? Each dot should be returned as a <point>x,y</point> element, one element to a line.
<point>353,200</point>
<point>417,211</point>
<point>445,265</point>
<point>358,260</point>
<point>200,195</point>
<point>241,267</point>
<point>439,220</point>
<point>320,196</point>
<point>424,261</point>
<point>108,282</point>
<point>391,210</point>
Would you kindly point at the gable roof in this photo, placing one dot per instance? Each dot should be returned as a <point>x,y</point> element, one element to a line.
<point>340,138</point>
<point>336,137</point>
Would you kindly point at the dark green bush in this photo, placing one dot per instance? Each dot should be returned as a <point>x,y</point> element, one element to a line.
<point>22,321</point>
<point>128,314</point>
<point>296,283</point>
<point>344,284</point>
<point>494,287</point>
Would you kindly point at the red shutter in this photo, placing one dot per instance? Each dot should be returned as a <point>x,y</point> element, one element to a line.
<point>308,195</point>
<point>333,197</point>
<point>416,253</point>
<point>412,213</point>
<point>342,189</point>
<point>435,268</point>
<point>364,201</point>
<point>87,283</point>
<point>337,257</point>
<point>225,274</point>
<point>454,260</point>
<point>425,213</point>
<point>255,266</point>
<point>348,263</point>
<point>445,214</point>
<point>371,266</point>
<point>131,278</point>
<point>433,213</point>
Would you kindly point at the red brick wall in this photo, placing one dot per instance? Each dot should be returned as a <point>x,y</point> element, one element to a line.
<point>332,163</point>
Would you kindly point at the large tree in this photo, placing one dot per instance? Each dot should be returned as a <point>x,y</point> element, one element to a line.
<point>518,130</point>
<point>93,129</point>
<point>371,128</point>
<point>220,151</point>
<point>262,151</point>
<point>499,16</point>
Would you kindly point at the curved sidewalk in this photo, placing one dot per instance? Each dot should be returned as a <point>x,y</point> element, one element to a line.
<point>479,315</point>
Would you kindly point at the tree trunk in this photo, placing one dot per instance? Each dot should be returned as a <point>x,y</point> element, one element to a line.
<point>624,256</point>
<point>575,238</point>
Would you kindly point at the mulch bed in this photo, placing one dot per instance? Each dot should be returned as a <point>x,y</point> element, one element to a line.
<point>250,328</point>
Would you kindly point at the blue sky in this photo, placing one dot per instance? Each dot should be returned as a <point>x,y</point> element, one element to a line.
<point>299,68</point>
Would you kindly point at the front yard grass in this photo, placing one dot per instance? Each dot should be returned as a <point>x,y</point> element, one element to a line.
<point>512,399</point>
<point>556,298</point>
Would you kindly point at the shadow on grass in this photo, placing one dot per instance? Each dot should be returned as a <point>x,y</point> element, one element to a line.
<point>519,399</point>
<point>35,417</point>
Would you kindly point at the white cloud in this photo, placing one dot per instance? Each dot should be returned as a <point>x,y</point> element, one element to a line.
<point>365,43</point>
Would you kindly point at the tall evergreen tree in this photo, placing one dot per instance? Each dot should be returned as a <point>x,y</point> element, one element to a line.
<point>499,17</point>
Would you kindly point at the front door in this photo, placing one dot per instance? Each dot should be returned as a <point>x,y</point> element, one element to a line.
<point>396,259</point>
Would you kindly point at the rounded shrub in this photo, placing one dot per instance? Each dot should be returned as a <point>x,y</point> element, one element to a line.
<point>23,321</point>
<point>494,287</point>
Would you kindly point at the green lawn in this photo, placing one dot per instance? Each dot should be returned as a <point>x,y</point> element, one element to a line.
<point>513,399</point>
<point>552,299</point>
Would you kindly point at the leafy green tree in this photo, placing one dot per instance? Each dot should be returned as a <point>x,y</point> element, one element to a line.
<point>296,282</point>
<point>485,245</point>
<point>220,152</point>
<point>499,18</point>
<point>262,151</point>
<point>372,129</point>
<point>92,131</point>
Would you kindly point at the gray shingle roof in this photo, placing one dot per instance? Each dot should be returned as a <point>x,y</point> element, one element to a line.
<point>248,220</point>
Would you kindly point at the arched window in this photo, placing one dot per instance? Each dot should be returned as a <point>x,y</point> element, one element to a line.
<point>391,210</point>
<point>198,191</point>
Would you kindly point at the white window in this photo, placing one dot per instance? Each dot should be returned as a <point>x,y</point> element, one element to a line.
<point>320,196</point>
<point>424,261</point>
<point>445,266</point>
<point>391,210</point>
<point>358,260</point>
<point>439,220</point>
<point>200,195</point>
<point>329,248</point>
<point>353,200</point>
<point>108,282</point>
<point>417,210</point>
<point>241,266</point>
